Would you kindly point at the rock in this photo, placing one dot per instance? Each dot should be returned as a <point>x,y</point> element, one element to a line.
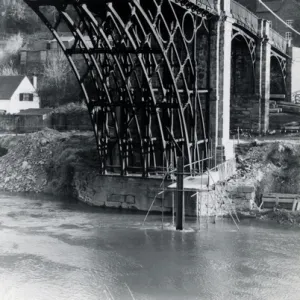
<point>44,142</point>
<point>25,164</point>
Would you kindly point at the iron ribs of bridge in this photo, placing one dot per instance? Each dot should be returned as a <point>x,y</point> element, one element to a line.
<point>144,86</point>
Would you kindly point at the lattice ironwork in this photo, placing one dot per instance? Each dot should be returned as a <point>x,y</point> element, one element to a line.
<point>250,42</point>
<point>244,17</point>
<point>282,64</point>
<point>143,71</point>
<point>282,61</point>
<point>279,42</point>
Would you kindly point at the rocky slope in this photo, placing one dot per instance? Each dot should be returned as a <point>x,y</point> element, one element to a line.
<point>61,163</point>
<point>46,161</point>
<point>272,166</point>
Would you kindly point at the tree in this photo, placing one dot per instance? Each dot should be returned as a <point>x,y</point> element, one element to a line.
<point>18,17</point>
<point>9,55</point>
<point>58,84</point>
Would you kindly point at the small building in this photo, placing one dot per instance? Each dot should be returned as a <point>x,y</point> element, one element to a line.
<point>17,93</point>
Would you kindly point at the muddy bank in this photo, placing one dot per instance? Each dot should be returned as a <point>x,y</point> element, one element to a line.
<point>46,161</point>
<point>65,163</point>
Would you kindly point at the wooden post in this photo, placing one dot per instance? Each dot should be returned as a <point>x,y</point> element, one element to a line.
<point>180,195</point>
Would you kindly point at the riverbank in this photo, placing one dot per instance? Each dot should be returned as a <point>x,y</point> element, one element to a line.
<point>66,164</point>
<point>46,161</point>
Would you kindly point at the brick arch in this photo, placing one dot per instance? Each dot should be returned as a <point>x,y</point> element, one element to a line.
<point>242,81</point>
<point>242,65</point>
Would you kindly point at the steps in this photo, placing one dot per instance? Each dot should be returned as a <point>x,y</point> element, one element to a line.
<point>274,108</point>
<point>289,107</point>
<point>284,116</point>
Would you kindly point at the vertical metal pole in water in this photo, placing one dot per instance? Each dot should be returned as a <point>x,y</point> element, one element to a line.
<point>180,194</point>
<point>173,209</point>
<point>198,210</point>
<point>163,195</point>
<point>215,151</point>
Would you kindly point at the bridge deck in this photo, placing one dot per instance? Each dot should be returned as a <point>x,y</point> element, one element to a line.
<point>243,17</point>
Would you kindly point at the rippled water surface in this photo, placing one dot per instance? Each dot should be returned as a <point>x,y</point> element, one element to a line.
<point>55,250</point>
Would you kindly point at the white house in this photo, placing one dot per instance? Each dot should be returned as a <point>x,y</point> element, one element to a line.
<point>17,93</point>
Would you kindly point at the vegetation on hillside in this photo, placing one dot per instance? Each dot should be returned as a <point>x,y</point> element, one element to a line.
<point>9,55</point>
<point>58,84</point>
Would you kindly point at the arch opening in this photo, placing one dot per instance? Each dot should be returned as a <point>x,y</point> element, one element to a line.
<point>277,73</point>
<point>142,80</point>
<point>242,83</point>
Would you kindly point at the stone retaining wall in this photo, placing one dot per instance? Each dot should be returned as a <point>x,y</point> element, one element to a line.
<point>243,196</point>
<point>32,123</point>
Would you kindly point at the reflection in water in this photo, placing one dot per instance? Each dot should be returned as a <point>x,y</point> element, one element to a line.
<point>55,250</point>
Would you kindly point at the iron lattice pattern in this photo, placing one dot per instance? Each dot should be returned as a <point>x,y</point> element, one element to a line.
<point>143,69</point>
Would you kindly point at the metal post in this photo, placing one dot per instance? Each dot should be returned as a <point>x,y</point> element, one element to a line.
<point>180,194</point>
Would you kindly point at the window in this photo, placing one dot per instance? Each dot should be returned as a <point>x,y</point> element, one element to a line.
<point>26,97</point>
<point>288,36</point>
<point>270,24</point>
<point>289,22</point>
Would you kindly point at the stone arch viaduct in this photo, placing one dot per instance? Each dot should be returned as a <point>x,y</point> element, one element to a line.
<point>165,78</point>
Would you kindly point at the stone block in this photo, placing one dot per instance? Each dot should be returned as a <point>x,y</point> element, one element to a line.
<point>246,112</point>
<point>124,205</point>
<point>114,204</point>
<point>116,198</point>
<point>248,189</point>
<point>240,189</point>
<point>248,196</point>
<point>130,199</point>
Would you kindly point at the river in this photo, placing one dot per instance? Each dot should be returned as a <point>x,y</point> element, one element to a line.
<point>63,250</point>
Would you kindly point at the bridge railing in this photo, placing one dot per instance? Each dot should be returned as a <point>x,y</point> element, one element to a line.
<point>206,4</point>
<point>278,40</point>
<point>244,16</point>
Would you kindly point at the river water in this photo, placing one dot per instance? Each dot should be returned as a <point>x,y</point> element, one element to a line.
<point>51,249</point>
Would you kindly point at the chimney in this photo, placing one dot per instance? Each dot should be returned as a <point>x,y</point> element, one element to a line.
<point>34,81</point>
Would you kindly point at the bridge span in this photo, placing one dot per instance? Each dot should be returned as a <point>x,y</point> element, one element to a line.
<point>165,78</point>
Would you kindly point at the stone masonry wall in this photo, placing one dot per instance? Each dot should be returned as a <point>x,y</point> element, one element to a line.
<point>244,112</point>
<point>244,104</point>
<point>243,196</point>
<point>122,192</point>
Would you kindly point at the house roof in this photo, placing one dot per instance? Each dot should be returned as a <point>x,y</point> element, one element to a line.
<point>35,111</point>
<point>273,5</point>
<point>8,85</point>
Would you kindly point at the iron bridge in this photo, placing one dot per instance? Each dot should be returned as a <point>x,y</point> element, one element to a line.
<point>144,70</point>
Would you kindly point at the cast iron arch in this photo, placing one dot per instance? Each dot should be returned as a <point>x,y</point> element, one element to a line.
<point>139,76</point>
